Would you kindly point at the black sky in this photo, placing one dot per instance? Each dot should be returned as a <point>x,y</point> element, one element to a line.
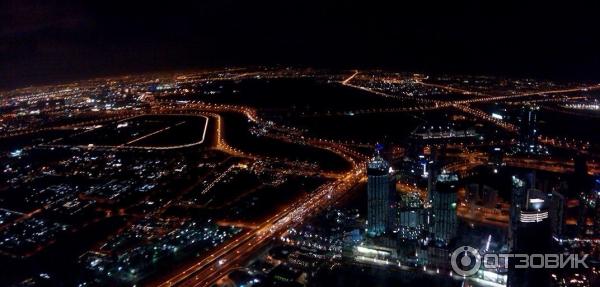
<point>46,41</point>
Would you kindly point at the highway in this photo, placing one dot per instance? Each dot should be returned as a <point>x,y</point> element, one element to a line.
<point>347,80</point>
<point>215,265</point>
<point>232,255</point>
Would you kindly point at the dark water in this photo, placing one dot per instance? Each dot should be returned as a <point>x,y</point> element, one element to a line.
<point>296,95</point>
<point>565,125</point>
<point>236,133</point>
<point>367,127</point>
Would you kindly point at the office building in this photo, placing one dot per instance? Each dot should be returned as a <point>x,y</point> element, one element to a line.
<point>412,218</point>
<point>380,193</point>
<point>532,235</point>
<point>528,133</point>
<point>443,209</point>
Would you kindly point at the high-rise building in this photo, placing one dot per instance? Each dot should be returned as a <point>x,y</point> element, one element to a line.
<point>380,193</point>
<point>596,191</point>
<point>528,133</point>
<point>557,206</point>
<point>496,157</point>
<point>520,184</point>
<point>433,170</point>
<point>532,235</point>
<point>581,185</point>
<point>443,209</point>
<point>412,218</point>
<point>523,185</point>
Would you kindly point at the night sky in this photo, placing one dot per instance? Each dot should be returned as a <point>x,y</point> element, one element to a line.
<point>48,41</point>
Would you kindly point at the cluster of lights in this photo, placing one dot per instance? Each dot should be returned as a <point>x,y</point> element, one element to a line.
<point>591,107</point>
<point>535,216</point>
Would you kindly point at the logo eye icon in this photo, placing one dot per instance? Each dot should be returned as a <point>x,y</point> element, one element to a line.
<point>465,261</point>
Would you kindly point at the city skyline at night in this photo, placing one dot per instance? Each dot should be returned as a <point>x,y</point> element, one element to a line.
<point>299,144</point>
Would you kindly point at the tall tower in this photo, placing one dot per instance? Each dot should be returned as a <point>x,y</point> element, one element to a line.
<point>443,208</point>
<point>380,196</point>
<point>533,235</point>
<point>582,184</point>
<point>557,206</point>
<point>528,133</point>
<point>412,217</point>
<point>518,195</point>
<point>596,191</point>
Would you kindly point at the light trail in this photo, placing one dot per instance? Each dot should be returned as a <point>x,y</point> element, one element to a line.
<point>218,179</point>
<point>152,133</point>
<point>347,80</point>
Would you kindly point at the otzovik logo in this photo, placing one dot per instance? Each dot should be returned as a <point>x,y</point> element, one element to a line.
<point>465,261</point>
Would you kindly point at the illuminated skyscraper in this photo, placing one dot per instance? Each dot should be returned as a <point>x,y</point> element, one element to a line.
<point>380,196</point>
<point>557,206</point>
<point>520,184</point>
<point>596,191</point>
<point>528,133</point>
<point>532,235</point>
<point>412,218</point>
<point>582,184</point>
<point>443,208</point>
